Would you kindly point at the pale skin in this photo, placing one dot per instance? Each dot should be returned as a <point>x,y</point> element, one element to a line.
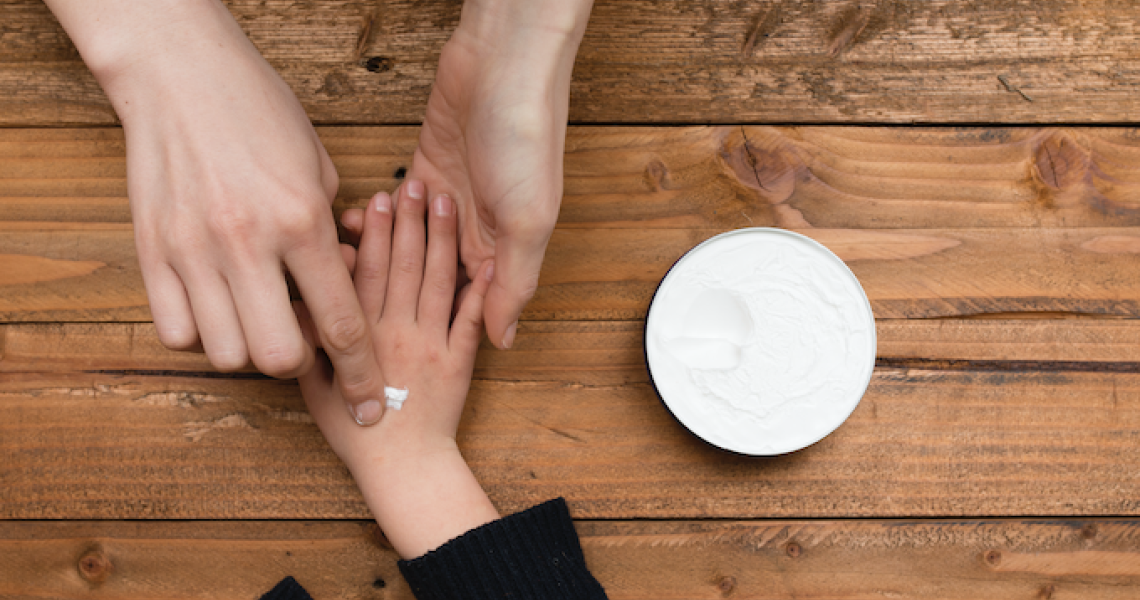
<point>493,139</point>
<point>231,189</point>
<point>408,465</point>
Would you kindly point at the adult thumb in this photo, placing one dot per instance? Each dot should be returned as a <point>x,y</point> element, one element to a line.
<point>517,265</point>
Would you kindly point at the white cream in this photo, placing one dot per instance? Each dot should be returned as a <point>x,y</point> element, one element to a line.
<point>394,397</point>
<point>760,341</point>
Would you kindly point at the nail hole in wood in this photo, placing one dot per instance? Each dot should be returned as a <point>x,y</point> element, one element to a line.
<point>378,64</point>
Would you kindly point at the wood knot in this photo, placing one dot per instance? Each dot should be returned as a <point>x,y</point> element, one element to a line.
<point>94,566</point>
<point>1089,531</point>
<point>1046,591</point>
<point>726,585</point>
<point>1059,163</point>
<point>793,549</point>
<point>378,64</point>
<point>992,557</point>
<point>657,175</point>
<point>760,162</point>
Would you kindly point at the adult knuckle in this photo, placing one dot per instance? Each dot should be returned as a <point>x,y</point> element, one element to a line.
<point>302,221</point>
<point>228,360</point>
<point>363,388</point>
<point>177,338</point>
<point>342,334</point>
<point>279,360</point>
<point>232,222</point>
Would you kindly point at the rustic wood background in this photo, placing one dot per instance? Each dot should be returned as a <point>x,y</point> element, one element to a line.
<point>971,160</point>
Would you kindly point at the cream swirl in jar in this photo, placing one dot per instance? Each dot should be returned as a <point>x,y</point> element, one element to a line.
<point>760,341</point>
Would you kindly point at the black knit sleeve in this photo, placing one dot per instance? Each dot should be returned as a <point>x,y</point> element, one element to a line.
<point>288,589</point>
<point>532,555</point>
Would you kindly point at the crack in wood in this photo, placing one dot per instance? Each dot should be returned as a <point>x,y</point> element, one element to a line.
<point>752,159</point>
<point>1028,366</point>
<point>178,373</point>
<point>1009,87</point>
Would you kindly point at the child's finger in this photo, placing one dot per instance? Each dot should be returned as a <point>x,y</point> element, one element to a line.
<point>372,259</point>
<point>353,222</point>
<point>406,271</point>
<point>438,289</point>
<point>468,325</point>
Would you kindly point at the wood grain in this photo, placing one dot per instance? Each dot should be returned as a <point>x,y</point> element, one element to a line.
<point>649,61</point>
<point>1001,440</point>
<point>935,222</point>
<point>943,560</point>
<point>610,352</point>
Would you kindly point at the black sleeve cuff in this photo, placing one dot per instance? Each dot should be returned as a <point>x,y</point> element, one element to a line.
<point>533,554</point>
<point>288,589</point>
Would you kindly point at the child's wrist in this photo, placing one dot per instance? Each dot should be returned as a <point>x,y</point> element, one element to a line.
<point>422,496</point>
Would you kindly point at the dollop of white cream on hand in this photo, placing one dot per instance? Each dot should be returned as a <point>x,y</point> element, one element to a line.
<point>394,397</point>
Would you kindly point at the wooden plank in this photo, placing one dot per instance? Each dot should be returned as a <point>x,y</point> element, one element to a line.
<point>936,223</point>
<point>692,177</point>
<point>949,61</point>
<point>928,560</point>
<point>591,274</point>
<point>610,352</point>
<point>924,442</point>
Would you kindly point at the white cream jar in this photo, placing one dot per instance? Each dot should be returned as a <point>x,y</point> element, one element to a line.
<point>760,341</point>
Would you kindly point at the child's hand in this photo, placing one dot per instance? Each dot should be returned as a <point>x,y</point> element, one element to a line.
<point>408,466</point>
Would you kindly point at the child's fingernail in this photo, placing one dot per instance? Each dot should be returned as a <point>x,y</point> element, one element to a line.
<point>415,189</point>
<point>442,205</point>
<point>509,338</point>
<point>383,203</point>
<point>491,271</point>
<point>366,413</point>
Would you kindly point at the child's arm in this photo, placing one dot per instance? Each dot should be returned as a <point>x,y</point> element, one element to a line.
<point>408,466</point>
<point>230,187</point>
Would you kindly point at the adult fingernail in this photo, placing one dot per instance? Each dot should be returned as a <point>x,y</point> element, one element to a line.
<point>442,205</point>
<point>491,271</point>
<point>382,203</point>
<point>415,189</point>
<point>366,413</point>
<point>509,338</point>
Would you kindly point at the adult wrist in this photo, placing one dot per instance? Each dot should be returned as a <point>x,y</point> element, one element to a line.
<point>558,24</point>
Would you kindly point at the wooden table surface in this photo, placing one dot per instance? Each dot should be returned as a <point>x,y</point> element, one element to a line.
<point>971,160</point>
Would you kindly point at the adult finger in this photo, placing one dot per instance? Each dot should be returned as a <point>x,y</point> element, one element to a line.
<point>348,254</point>
<point>518,260</point>
<point>407,261</point>
<point>371,274</point>
<point>217,318</point>
<point>170,307</point>
<point>438,291</point>
<point>344,333</point>
<point>316,384</point>
<point>268,323</point>
<point>467,328</point>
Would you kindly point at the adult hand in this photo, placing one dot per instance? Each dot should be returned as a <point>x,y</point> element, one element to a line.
<point>230,188</point>
<point>408,466</point>
<point>493,139</point>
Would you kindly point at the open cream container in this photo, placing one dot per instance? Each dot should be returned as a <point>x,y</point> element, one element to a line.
<point>760,341</point>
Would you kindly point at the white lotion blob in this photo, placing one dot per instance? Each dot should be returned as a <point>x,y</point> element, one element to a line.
<point>760,341</point>
<point>394,397</point>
